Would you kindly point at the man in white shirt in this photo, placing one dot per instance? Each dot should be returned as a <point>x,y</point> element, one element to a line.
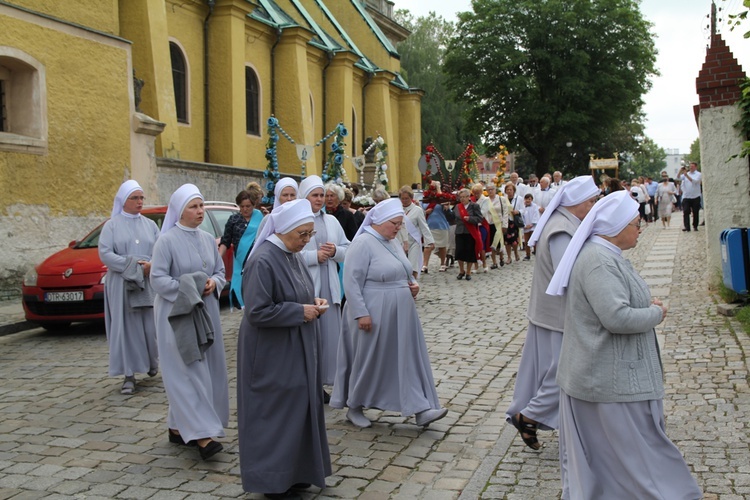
<point>533,187</point>
<point>521,188</point>
<point>691,195</point>
<point>557,181</point>
<point>545,194</point>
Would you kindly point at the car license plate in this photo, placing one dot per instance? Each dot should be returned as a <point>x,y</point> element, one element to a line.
<point>63,297</point>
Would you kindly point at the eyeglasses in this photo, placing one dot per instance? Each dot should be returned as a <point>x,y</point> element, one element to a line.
<point>306,234</point>
<point>396,224</point>
<point>137,198</point>
<point>636,224</point>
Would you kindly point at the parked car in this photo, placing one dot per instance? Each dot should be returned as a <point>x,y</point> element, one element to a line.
<point>68,286</point>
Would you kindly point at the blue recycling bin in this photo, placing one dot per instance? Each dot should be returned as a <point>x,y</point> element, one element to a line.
<point>735,259</point>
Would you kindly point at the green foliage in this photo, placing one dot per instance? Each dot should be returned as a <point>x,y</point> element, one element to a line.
<point>648,160</point>
<point>743,316</point>
<point>743,124</point>
<point>695,152</point>
<point>422,54</point>
<point>539,75</point>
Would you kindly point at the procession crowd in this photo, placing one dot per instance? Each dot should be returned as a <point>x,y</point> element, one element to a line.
<point>327,293</point>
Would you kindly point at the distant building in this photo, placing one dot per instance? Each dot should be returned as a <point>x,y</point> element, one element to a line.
<point>675,160</point>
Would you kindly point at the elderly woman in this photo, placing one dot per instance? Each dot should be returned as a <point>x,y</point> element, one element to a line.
<point>383,361</point>
<point>413,244</point>
<point>125,247</point>
<point>188,271</point>
<point>334,195</point>
<point>468,239</point>
<point>498,218</point>
<point>239,232</point>
<point>284,191</point>
<point>327,247</point>
<point>283,443</point>
<point>437,215</point>
<point>512,232</point>
<point>612,433</point>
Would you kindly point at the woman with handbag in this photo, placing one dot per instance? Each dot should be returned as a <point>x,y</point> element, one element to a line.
<point>665,199</point>
<point>515,221</point>
<point>468,239</point>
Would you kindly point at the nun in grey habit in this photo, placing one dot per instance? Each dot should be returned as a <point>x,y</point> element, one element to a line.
<point>282,434</point>
<point>382,361</point>
<point>198,391</point>
<point>613,441</point>
<point>125,247</point>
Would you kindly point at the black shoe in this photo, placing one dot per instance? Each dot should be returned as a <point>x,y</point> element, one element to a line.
<point>468,277</point>
<point>326,397</point>
<point>175,438</point>
<point>493,266</point>
<point>686,230</point>
<point>695,229</point>
<point>287,495</point>
<point>502,263</point>
<point>527,258</point>
<point>211,449</point>
<point>460,276</point>
<point>301,486</point>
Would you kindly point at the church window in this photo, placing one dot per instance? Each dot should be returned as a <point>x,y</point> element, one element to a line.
<point>179,78</point>
<point>252,102</point>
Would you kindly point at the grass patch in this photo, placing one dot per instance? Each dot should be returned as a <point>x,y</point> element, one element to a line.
<point>743,316</point>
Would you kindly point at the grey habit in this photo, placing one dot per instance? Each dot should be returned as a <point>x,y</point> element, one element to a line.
<point>388,367</point>
<point>280,413</point>
<point>613,442</point>
<point>198,392</point>
<point>131,332</point>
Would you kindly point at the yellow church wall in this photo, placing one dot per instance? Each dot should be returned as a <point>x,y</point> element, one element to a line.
<point>101,15</point>
<point>260,39</point>
<point>185,25</point>
<point>409,135</point>
<point>88,110</point>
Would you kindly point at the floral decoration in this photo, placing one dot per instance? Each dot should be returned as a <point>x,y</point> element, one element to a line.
<point>363,200</point>
<point>502,158</point>
<point>271,174</point>
<point>333,170</point>
<point>431,195</point>
<point>381,155</point>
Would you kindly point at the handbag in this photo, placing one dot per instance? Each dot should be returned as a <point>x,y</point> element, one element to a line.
<point>518,220</point>
<point>647,210</point>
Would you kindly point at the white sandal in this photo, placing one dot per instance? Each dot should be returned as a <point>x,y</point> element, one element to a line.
<point>442,269</point>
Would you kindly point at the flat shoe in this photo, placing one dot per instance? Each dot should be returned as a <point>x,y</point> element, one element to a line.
<point>174,437</point>
<point>460,276</point>
<point>468,277</point>
<point>425,418</point>
<point>300,486</point>
<point>287,495</point>
<point>525,427</point>
<point>442,269</point>
<point>152,372</point>
<point>356,417</point>
<point>211,449</point>
<point>425,270</point>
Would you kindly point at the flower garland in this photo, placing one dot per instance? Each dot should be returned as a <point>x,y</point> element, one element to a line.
<point>468,166</point>
<point>431,195</point>
<point>333,169</point>
<point>380,177</point>
<point>271,174</point>
<point>502,158</point>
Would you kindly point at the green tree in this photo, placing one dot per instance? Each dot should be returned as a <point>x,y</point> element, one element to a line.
<point>422,54</point>
<point>695,152</point>
<point>647,160</point>
<point>541,74</point>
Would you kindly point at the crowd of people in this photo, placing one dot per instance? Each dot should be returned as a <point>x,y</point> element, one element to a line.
<point>327,293</point>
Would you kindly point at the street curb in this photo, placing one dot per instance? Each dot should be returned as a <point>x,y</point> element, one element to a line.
<point>19,326</point>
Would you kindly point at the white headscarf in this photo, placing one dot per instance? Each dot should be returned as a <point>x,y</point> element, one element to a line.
<point>285,182</point>
<point>283,219</point>
<point>609,217</point>
<point>308,184</point>
<point>383,211</point>
<point>177,203</point>
<point>126,189</point>
<point>570,194</point>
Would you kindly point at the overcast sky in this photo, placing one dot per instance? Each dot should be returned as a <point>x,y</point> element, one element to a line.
<point>681,33</point>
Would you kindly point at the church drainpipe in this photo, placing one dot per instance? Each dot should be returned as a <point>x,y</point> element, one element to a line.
<point>206,127</point>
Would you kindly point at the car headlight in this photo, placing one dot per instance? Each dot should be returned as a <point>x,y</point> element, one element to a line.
<point>30,278</point>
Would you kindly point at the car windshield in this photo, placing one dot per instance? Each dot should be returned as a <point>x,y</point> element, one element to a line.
<point>92,239</point>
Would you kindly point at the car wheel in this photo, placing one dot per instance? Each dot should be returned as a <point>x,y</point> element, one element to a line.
<point>56,327</point>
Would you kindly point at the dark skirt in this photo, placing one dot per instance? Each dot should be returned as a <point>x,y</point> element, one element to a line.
<point>511,236</point>
<point>466,248</point>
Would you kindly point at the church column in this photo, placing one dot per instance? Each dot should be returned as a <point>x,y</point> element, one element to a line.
<point>410,135</point>
<point>379,117</point>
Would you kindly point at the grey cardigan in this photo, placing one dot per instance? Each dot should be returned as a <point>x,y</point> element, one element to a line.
<point>609,351</point>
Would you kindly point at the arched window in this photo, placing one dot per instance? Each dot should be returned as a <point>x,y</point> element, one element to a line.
<point>23,102</point>
<point>252,102</point>
<point>179,78</point>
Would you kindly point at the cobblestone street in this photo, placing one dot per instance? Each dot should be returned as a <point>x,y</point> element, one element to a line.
<point>67,432</point>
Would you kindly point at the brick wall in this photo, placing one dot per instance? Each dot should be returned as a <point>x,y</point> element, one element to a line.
<point>718,81</point>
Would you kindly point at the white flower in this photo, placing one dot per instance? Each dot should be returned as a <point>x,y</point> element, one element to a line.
<point>380,140</point>
<point>384,167</point>
<point>379,155</point>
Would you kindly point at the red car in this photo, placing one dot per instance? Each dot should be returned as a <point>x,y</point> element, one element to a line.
<point>69,285</point>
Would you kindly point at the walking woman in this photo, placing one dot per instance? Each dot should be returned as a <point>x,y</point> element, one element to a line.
<point>125,247</point>
<point>187,274</point>
<point>468,239</point>
<point>613,442</point>
<point>515,222</point>
<point>282,432</point>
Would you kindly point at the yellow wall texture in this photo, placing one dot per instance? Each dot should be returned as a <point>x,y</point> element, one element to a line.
<point>88,118</point>
<point>100,15</point>
<point>258,56</point>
